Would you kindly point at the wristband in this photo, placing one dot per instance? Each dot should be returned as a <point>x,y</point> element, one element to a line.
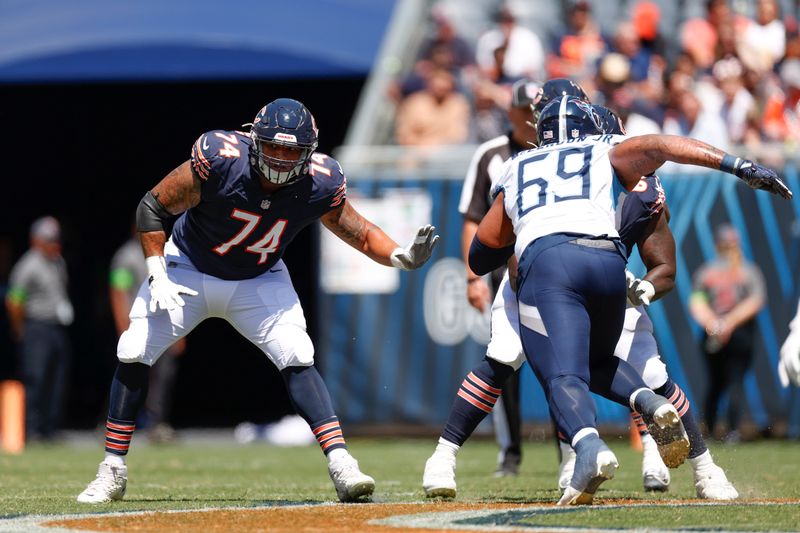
<point>156,267</point>
<point>731,164</point>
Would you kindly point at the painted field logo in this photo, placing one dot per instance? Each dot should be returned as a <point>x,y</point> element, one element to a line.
<point>448,316</point>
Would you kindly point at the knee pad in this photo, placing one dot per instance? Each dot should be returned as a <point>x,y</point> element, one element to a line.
<point>509,354</point>
<point>654,373</point>
<point>132,344</point>
<point>289,345</point>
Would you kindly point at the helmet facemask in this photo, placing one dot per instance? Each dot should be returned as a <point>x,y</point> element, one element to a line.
<point>278,170</point>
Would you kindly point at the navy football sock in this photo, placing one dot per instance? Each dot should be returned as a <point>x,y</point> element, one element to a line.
<point>475,399</point>
<point>311,400</point>
<point>128,393</point>
<point>673,393</point>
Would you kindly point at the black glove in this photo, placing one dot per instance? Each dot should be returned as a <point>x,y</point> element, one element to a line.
<point>758,177</point>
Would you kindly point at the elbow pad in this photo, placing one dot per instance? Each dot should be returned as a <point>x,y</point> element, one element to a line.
<point>483,259</point>
<point>150,214</point>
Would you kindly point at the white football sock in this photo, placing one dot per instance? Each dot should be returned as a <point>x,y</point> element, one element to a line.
<point>113,459</point>
<point>335,454</point>
<point>446,447</point>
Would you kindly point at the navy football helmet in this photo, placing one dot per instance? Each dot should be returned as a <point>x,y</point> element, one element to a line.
<point>556,88</point>
<point>610,121</point>
<point>283,122</point>
<point>567,117</point>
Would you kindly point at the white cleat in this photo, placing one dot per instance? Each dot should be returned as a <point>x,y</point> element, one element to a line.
<point>439,478</point>
<point>655,474</point>
<point>109,484</point>
<point>566,468</point>
<point>597,465</point>
<point>712,484</point>
<point>351,484</point>
<point>668,432</point>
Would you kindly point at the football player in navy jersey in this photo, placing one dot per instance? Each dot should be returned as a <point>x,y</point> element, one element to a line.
<point>242,198</point>
<point>553,211</point>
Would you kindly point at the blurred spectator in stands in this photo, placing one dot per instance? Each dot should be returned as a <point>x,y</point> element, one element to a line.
<point>646,69</point>
<point>727,41</point>
<point>128,271</point>
<point>700,36</point>
<point>435,115</point>
<point>523,54</point>
<point>617,92</point>
<point>727,295</point>
<point>686,116</point>
<point>737,107</point>
<point>490,118</point>
<point>39,311</point>
<point>626,42</point>
<point>498,74</point>
<point>442,49</point>
<point>646,17</point>
<point>763,41</point>
<point>444,35</point>
<point>613,75</point>
<point>575,50</point>
<point>440,58</point>
<point>781,120</point>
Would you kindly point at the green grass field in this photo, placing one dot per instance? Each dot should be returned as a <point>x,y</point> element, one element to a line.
<point>46,479</point>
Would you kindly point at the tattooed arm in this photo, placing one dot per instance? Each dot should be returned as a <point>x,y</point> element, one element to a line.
<point>641,156</point>
<point>347,224</point>
<point>176,193</point>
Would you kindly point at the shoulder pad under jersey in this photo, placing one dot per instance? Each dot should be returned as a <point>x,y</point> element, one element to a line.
<point>329,179</point>
<point>215,151</point>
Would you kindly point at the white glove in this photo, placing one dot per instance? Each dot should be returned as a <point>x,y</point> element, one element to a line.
<point>630,277</point>
<point>163,292</point>
<point>415,254</point>
<point>640,291</point>
<point>789,365</point>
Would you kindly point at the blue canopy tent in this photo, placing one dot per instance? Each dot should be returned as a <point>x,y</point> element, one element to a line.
<point>148,40</point>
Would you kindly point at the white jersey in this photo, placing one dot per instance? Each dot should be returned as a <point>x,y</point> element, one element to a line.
<point>567,187</point>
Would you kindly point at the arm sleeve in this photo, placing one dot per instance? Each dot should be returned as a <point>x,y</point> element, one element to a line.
<point>19,282</point>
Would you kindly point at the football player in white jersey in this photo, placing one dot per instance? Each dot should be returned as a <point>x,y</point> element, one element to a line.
<point>555,210</point>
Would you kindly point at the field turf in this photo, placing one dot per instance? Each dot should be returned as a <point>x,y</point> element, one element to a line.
<point>46,480</point>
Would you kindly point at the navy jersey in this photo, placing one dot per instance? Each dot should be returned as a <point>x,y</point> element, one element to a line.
<point>637,208</point>
<point>238,231</point>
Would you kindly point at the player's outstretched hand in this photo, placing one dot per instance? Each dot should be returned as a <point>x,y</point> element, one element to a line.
<point>415,254</point>
<point>789,365</point>
<point>760,177</point>
<point>164,293</point>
